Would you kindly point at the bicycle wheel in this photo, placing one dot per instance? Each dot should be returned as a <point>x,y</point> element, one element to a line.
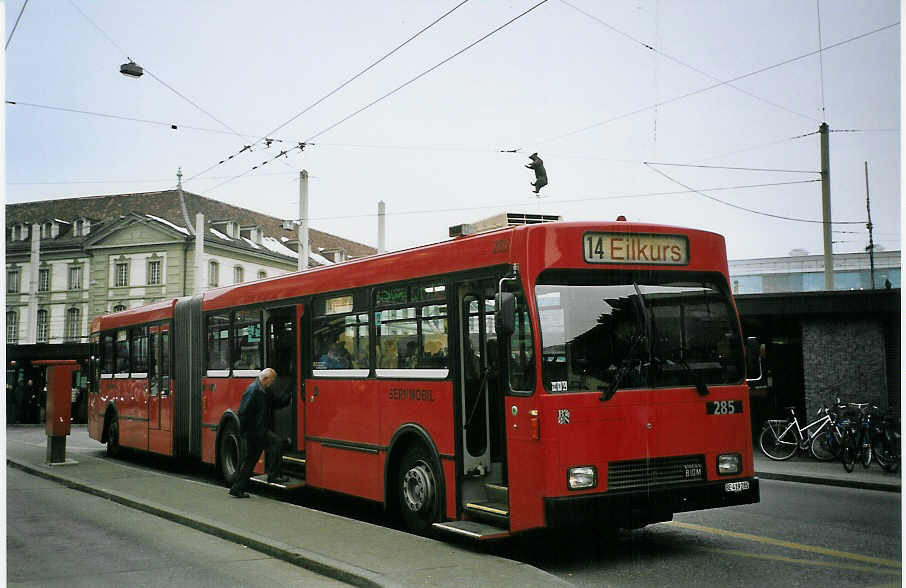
<point>865,455</point>
<point>825,446</point>
<point>885,453</point>
<point>848,452</point>
<point>777,440</point>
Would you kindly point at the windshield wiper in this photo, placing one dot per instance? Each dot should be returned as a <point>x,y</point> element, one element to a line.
<point>608,392</point>
<point>697,378</point>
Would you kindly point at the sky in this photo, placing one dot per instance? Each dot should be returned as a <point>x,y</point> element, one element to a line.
<point>619,99</point>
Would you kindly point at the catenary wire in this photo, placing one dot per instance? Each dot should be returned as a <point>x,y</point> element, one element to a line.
<point>405,84</point>
<point>18,18</point>
<point>682,63</point>
<point>173,126</point>
<point>751,210</point>
<point>713,86</point>
<point>344,84</point>
<point>163,83</point>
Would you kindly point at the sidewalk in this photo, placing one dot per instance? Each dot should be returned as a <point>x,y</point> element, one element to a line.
<point>352,551</point>
<point>830,473</point>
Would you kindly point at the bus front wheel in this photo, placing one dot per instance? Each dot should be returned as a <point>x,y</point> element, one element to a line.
<point>419,491</point>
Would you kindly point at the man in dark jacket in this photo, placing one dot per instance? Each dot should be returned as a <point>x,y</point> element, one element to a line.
<point>256,417</point>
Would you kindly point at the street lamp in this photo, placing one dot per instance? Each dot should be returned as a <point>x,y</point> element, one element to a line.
<point>131,69</point>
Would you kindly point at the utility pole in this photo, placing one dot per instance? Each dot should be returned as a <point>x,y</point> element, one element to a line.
<point>871,242</point>
<point>381,231</point>
<point>826,208</point>
<point>182,201</point>
<point>303,220</point>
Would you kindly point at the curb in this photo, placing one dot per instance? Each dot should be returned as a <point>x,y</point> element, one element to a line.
<point>858,484</point>
<point>309,560</point>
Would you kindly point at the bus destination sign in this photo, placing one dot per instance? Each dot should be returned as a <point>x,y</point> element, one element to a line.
<point>636,248</point>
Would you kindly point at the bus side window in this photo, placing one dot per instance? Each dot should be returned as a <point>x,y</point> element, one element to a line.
<point>522,352</point>
<point>153,359</point>
<point>164,363</point>
<point>218,328</point>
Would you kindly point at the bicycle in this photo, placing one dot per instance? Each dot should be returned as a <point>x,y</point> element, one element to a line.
<point>886,443</point>
<point>857,444</point>
<point>780,439</point>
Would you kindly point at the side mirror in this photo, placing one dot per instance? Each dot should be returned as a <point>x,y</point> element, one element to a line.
<point>505,315</point>
<point>753,359</point>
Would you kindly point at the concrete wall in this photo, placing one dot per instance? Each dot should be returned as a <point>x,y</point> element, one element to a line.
<point>843,357</point>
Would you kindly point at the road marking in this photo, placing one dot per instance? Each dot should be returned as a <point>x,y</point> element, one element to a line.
<point>789,544</point>
<point>811,562</point>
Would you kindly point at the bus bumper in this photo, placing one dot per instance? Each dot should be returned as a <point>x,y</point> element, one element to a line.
<point>637,508</point>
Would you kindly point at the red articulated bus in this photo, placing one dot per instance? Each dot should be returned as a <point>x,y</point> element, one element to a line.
<point>543,375</point>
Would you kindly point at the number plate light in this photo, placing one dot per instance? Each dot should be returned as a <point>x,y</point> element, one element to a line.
<point>583,477</point>
<point>729,464</point>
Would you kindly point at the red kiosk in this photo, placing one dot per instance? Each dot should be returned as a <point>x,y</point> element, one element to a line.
<point>59,403</point>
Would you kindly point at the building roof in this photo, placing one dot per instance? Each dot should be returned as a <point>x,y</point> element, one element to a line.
<point>164,207</point>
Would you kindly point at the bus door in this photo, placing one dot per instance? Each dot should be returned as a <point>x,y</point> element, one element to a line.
<point>481,441</point>
<point>160,407</point>
<point>281,354</point>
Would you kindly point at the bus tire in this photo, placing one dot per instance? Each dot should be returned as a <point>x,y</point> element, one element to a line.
<point>229,453</point>
<point>419,490</point>
<point>113,437</point>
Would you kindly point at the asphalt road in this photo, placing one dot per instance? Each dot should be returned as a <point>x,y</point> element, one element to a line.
<point>798,535</point>
<point>57,536</point>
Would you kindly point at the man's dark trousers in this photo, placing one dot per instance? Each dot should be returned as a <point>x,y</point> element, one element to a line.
<point>272,446</point>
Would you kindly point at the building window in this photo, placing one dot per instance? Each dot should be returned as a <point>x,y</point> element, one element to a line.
<point>122,274</point>
<point>119,308</point>
<point>43,326</point>
<point>44,280</point>
<point>73,324</point>
<point>75,277</point>
<point>47,230</point>
<point>262,274</point>
<point>238,274</point>
<point>12,280</point>
<point>17,233</point>
<point>12,327</point>
<point>154,272</point>
<point>78,227</point>
<point>213,274</point>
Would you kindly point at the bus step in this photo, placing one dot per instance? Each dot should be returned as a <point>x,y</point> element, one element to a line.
<point>490,512</point>
<point>472,530</point>
<point>290,484</point>
<point>497,493</point>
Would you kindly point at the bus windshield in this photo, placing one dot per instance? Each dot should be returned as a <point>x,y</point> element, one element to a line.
<point>601,331</point>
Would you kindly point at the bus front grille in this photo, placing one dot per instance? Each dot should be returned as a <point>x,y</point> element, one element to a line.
<point>658,471</point>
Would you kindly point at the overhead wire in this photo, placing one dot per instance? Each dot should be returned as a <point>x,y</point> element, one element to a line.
<point>341,86</point>
<point>683,63</point>
<point>751,210</point>
<point>16,24</point>
<point>407,83</point>
<point>149,72</point>
<point>718,85</point>
<point>172,125</point>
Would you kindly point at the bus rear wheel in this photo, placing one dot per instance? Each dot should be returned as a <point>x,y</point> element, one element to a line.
<point>113,437</point>
<point>230,450</point>
<point>419,490</point>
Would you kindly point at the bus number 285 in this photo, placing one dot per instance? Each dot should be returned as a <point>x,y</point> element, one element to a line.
<point>720,407</point>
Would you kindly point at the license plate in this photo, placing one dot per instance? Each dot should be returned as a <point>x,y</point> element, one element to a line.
<point>736,486</point>
<point>720,407</point>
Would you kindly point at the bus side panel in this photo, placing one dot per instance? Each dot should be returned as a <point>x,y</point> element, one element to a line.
<point>96,412</point>
<point>217,395</point>
<point>133,413</point>
<point>341,441</point>
<point>428,404</point>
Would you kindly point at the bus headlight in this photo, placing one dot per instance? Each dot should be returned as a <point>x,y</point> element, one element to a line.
<point>580,478</point>
<point>729,463</point>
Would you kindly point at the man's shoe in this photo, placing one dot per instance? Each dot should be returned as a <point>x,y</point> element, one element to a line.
<point>239,494</point>
<point>280,479</point>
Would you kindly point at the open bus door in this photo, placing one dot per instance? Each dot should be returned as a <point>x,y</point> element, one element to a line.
<point>281,354</point>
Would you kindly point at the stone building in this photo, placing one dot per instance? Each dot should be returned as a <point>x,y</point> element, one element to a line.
<point>71,260</point>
